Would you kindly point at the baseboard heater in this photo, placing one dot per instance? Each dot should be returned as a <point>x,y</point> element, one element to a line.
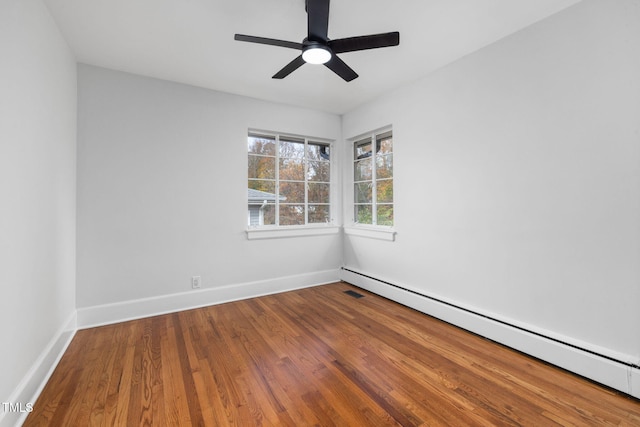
<point>502,322</point>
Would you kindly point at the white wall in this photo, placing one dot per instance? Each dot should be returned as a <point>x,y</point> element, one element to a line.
<point>517,180</point>
<point>162,170</point>
<point>37,193</point>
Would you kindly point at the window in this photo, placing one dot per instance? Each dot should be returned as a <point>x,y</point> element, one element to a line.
<point>373,179</point>
<point>289,180</point>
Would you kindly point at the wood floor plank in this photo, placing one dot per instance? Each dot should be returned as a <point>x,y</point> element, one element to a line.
<point>316,357</point>
<point>123,389</point>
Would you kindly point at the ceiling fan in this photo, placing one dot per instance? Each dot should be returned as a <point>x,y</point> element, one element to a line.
<point>317,48</point>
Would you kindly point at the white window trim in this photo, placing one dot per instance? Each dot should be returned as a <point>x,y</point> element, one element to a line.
<point>378,232</point>
<point>276,232</point>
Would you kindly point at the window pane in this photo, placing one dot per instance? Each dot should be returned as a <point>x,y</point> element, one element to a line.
<point>362,149</point>
<point>260,215</point>
<point>259,144</point>
<point>262,199</point>
<point>384,190</point>
<point>269,215</point>
<point>384,166</point>
<point>267,187</point>
<point>384,143</point>
<point>291,214</point>
<point>292,148</point>
<point>319,171</point>
<point>319,214</point>
<point>262,167</point>
<point>363,214</point>
<point>362,170</point>
<point>362,192</point>
<point>385,215</point>
<point>318,193</point>
<point>293,191</point>
<point>292,169</point>
<point>317,151</point>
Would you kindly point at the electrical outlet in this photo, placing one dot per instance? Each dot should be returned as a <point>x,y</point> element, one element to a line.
<point>196,282</point>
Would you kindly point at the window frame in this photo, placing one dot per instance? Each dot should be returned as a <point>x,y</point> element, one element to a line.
<point>374,140</point>
<point>307,228</point>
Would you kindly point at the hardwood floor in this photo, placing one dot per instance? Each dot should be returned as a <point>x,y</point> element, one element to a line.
<point>315,356</point>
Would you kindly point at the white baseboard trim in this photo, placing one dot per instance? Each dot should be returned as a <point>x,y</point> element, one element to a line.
<point>601,369</point>
<point>99,315</point>
<point>33,382</point>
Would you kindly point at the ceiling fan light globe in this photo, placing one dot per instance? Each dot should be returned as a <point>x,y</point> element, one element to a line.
<point>316,55</point>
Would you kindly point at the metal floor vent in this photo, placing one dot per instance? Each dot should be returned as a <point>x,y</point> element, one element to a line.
<point>353,294</point>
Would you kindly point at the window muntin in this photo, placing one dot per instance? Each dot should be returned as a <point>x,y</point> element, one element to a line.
<point>373,179</point>
<point>295,175</point>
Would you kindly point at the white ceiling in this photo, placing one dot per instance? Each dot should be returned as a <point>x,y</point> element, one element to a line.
<point>191,41</point>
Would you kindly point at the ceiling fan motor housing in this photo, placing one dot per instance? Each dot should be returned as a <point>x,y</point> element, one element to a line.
<point>314,52</point>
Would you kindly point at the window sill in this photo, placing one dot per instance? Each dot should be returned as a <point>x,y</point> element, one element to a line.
<point>293,231</point>
<point>380,233</point>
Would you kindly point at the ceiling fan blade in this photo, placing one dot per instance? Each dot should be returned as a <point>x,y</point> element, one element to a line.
<point>318,19</point>
<point>271,42</point>
<point>374,41</point>
<point>289,68</point>
<point>338,66</point>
